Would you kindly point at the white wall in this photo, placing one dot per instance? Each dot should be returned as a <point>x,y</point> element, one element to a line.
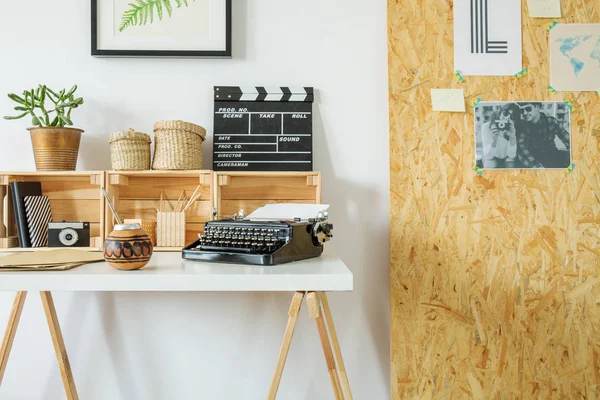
<point>213,346</point>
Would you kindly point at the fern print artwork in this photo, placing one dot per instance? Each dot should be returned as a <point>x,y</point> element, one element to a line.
<point>143,12</point>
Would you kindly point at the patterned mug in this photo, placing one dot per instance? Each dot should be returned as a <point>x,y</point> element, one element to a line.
<point>128,247</point>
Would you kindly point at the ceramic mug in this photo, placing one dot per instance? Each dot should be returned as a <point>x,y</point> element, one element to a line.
<point>128,247</point>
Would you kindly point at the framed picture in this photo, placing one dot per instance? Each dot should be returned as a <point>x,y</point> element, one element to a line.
<point>161,28</point>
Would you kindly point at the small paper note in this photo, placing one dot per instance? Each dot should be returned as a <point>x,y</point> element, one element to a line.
<point>544,8</point>
<point>598,92</point>
<point>452,100</point>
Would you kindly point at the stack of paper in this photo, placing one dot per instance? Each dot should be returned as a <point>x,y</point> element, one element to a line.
<point>53,260</point>
<point>287,211</point>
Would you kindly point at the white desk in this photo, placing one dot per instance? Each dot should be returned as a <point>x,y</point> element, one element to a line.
<point>309,279</point>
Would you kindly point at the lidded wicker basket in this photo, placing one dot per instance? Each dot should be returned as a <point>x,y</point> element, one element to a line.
<point>178,145</point>
<point>130,150</point>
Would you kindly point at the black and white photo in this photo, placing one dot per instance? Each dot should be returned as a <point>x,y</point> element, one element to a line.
<point>522,135</point>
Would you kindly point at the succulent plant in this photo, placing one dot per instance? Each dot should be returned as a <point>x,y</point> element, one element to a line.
<point>63,102</point>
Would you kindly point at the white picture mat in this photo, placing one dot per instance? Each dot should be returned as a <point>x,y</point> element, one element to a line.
<point>504,24</point>
<point>162,36</point>
<point>562,76</point>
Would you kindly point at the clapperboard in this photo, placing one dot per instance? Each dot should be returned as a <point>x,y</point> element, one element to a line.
<point>263,128</point>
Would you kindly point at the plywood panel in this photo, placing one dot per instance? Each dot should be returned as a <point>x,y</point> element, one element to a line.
<point>144,187</point>
<point>146,209</point>
<point>75,210</point>
<point>136,194</point>
<point>495,279</point>
<point>268,187</point>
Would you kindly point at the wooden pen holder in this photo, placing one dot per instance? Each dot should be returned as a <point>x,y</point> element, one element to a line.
<point>148,225</point>
<point>170,229</point>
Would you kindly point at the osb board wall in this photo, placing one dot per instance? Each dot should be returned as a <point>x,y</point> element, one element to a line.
<point>495,280</point>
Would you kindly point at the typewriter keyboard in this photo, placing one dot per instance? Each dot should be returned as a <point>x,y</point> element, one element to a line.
<point>243,239</point>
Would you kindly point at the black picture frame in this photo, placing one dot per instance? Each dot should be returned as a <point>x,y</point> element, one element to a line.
<point>161,53</point>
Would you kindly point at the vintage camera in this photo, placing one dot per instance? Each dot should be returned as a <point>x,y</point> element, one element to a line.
<point>68,234</point>
<point>502,125</point>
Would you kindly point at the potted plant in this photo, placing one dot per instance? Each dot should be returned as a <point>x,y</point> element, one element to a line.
<point>55,147</point>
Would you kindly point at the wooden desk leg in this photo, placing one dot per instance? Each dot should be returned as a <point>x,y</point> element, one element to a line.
<point>11,330</point>
<point>314,308</point>
<point>336,346</point>
<point>59,346</point>
<point>285,345</point>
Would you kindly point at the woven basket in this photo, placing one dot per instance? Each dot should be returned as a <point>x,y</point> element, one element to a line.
<point>178,145</point>
<point>130,150</point>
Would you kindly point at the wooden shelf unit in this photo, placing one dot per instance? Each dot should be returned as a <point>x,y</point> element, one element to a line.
<point>77,196</point>
<point>136,194</point>
<point>73,195</point>
<point>235,191</point>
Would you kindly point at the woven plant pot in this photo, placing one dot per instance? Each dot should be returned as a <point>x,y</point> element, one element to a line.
<point>178,145</point>
<point>130,151</point>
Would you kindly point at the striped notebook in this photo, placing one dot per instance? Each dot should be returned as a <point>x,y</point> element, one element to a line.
<point>37,211</point>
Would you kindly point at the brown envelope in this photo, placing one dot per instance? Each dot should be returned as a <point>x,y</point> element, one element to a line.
<point>51,257</point>
<point>59,267</point>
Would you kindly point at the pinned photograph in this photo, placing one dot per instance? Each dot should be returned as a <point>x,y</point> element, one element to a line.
<point>575,57</point>
<point>522,135</point>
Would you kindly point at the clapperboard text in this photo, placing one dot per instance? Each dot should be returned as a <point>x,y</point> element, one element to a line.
<point>263,135</point>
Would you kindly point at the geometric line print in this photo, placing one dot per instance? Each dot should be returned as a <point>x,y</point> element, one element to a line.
<point>480,42</point>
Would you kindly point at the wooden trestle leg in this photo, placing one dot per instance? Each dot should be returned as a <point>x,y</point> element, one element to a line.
<point>59,346</point>
<point>335,363</point>
<point>11,330</point>
<point>285,345</point>
<point>336,347</point>
<point>314,309</point>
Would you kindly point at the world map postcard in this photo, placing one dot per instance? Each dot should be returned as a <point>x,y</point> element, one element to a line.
<point>575,57</point>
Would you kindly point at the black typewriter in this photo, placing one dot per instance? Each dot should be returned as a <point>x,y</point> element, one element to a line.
<point>244,241</point>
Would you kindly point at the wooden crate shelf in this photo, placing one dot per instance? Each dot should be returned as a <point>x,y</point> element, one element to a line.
<point>77,196</point>
<point>136,195</point>
<point>73,195</point>
<point>235,191</point>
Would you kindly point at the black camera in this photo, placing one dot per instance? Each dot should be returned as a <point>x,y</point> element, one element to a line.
<point>502,125</point>
<point>68,234</point>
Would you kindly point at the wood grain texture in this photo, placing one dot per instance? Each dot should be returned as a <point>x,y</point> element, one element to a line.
<point>3,197</point>
<point>268,187</point>
<point>11,331</point>
<point>59,346</point>
<point>495,280</point>
<point>314,309</point>
<point>248,191</point>
<point>285,344</point>
<point>76,210</point>
<point>337,351</point>
<point>73,195</point>
<point>137,195</point>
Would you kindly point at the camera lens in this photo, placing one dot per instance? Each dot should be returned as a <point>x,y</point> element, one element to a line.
<point>68,237</point>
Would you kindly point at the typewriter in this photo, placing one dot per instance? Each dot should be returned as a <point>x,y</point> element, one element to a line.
<point>242,241</point>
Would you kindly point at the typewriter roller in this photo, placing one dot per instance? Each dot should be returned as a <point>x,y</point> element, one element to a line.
<point>260,243</point>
